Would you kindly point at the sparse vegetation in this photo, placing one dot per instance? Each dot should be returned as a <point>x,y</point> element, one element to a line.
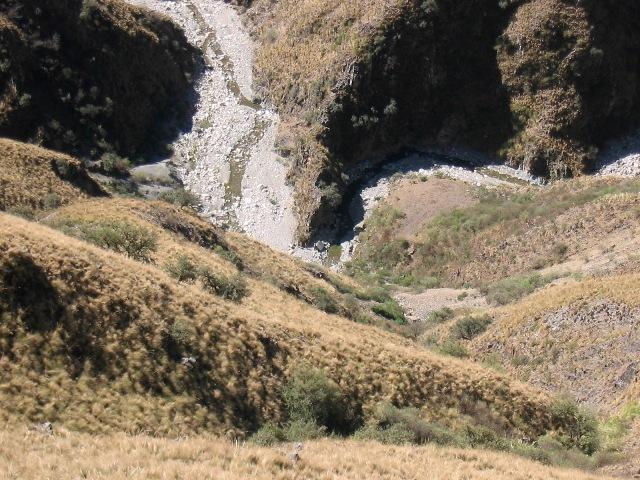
<point>118,235</point>
<point>453,348</point>
<point>391,310</point>
<point>234,288</point>
<point>179,197</point>
<point>440,316</point>
<point>324,300</point>
<point>477,245</point>
<point>182,269</point>
<point>510,289</point>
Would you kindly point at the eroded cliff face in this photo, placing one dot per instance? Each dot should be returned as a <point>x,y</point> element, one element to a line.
<point>541,83</point>
<point>573,75</point>
<point>91,76</point>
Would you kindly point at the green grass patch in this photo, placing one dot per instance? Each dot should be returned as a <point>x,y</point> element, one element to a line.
<point>511,289</point>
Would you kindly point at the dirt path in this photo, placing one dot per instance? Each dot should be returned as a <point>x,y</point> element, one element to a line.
<point>227,158</point>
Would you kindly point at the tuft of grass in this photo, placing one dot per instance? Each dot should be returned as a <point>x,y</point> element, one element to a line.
<point>234,288</point>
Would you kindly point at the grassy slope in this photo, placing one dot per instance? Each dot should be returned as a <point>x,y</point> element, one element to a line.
<point>559,228</point>
<point>71,455</point>
<point>87,346</point>
<point>580,337</point>
<point>28,175</point>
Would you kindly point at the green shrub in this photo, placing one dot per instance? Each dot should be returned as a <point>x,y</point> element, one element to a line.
<point>323,300</point>
<point>376,294</point>
<point>114,164</point>
<point>23,211</point>
<point>234,288</point>
<point>391,310</point>
<point>578,427</point>
<point>135,241</point>
<point>301,430</point>
<point>406,424</point>
<point>477,436</point>
<point>467,328</point>
<point>182,269</point>
<point>559,454</point>
<point>396,434</point>
<point>179,197</point>
<point>440,316</point>
<point>309,396</point>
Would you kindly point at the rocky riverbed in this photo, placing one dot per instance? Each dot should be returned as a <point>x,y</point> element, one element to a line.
<point>227,157</point>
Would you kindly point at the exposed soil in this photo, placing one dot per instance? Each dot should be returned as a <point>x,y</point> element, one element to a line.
<point>422,199</point>
<point>418,306</point>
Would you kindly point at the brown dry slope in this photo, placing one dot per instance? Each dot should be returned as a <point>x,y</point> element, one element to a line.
<point>30,176</point>
<point>94,340</point>
<point>580,337</point>
<point>71,455</point>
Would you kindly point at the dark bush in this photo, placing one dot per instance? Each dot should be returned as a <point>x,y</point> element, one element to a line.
<point>467,328</point>
<point>578,426</point>
<point>114,164</point>
<point>310,396</point>
<point>324,301</point>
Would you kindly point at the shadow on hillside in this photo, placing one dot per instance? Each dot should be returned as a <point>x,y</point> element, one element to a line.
<point>28,293</point>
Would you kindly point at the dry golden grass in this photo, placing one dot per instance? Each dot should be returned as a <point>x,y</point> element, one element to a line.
<point>29,174</point>
<point>88,349</point>
<point>181,232</point>
<point>72,455</point>
<point>578,337</point>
